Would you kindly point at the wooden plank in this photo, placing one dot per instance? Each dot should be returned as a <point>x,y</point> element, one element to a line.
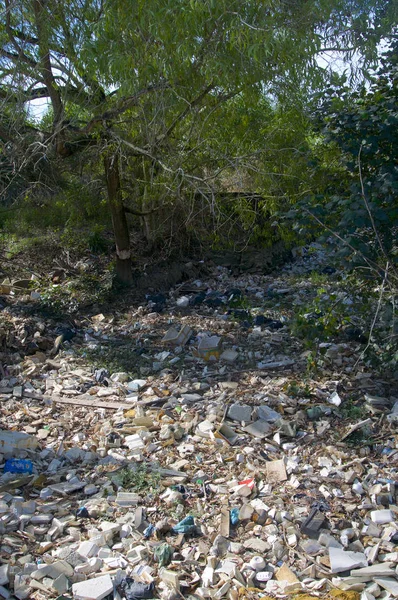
<point>151,401</point>
<point>91,401</point>
<point>225,522</point>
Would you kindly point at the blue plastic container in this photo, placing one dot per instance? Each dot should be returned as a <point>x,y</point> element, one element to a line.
<point>18,465</point>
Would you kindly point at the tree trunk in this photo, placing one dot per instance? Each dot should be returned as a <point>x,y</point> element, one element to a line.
<point>119,221</point>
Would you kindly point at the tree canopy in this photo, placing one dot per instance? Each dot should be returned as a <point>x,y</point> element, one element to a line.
<point>146,87</point>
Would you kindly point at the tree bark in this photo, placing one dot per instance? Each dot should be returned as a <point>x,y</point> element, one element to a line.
<point>120,228</point>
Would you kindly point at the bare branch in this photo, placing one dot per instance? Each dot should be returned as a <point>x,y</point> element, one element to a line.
<point>188,109</point>
<point>139,213</point>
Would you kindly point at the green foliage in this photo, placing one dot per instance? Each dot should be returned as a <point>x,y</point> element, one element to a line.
<point>322,318</point>
<point>350,310</point>
<point>195,97</point>
<point>138,478</point>
<point>56,301</point>
<point>115,357</point>
<point>352,410</point>
<point>85,289</point>
<point>81,240</point>
<point>360,201</point>
<point>298,389</point>
<point>360,437</point>
<point>97,243</point>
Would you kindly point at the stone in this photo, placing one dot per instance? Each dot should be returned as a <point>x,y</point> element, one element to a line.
<point>276,471</point>
<point>4,593</point>
<point>54,570</point>
<point>182,302</point>
<point>127,499</point>
<point>74,454</point>
<point>258,429</point>
<point>229,356</point>
<point>61,584</point>
<point>136,385</point>
<point>16,440</point>
<point>170,577</point>
<point>17,392</point>
<point>178,338</point>
<point>328,540</point>
<point>90,489</point>
<point>134,442</point>
<point>286,574</point>
<point>93,565</point>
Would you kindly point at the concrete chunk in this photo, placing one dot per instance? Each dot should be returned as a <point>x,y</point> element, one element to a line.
<point>240,412</point>
<point>259,429</point>
<point>88,549</point>
<point>265,413</point>
<point>391,585</point>
<point>93,589</point>
<point>379,570</point>
<point>127,499</point>
<point>381,516</point>
<point>15,440</point>
<point>340,560</point>
<point>4,574</point>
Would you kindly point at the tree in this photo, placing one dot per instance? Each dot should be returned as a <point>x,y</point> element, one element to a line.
<point>364,126</point>
<point>355,162</point>
<point>148,76</point>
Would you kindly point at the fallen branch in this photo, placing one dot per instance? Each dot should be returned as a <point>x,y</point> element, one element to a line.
<point>139,213</point>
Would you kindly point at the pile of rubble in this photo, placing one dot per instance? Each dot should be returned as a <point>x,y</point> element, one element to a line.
<point>204,476</point>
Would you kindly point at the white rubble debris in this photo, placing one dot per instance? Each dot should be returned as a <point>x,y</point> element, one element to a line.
<point>211,465</point>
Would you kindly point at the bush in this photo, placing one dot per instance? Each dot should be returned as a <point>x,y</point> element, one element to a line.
<point>360,202</point>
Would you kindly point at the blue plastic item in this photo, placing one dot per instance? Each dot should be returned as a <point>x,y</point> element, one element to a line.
<point>18,465</point>
<point>149,531</point>
<point>234,516</point>
<point>187,525</point>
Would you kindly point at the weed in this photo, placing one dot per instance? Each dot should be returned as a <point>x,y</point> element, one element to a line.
<point>84,289</point>
<point>360,437</point>
<point>56,301</point>
<point>313,363</point>
<point>297,389</point>
<point>350,410</point>
<point>138,478</point>
<point>239,302</point>
<point>113,357</point>
<point>96,241</point>
<point>318,278</point>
